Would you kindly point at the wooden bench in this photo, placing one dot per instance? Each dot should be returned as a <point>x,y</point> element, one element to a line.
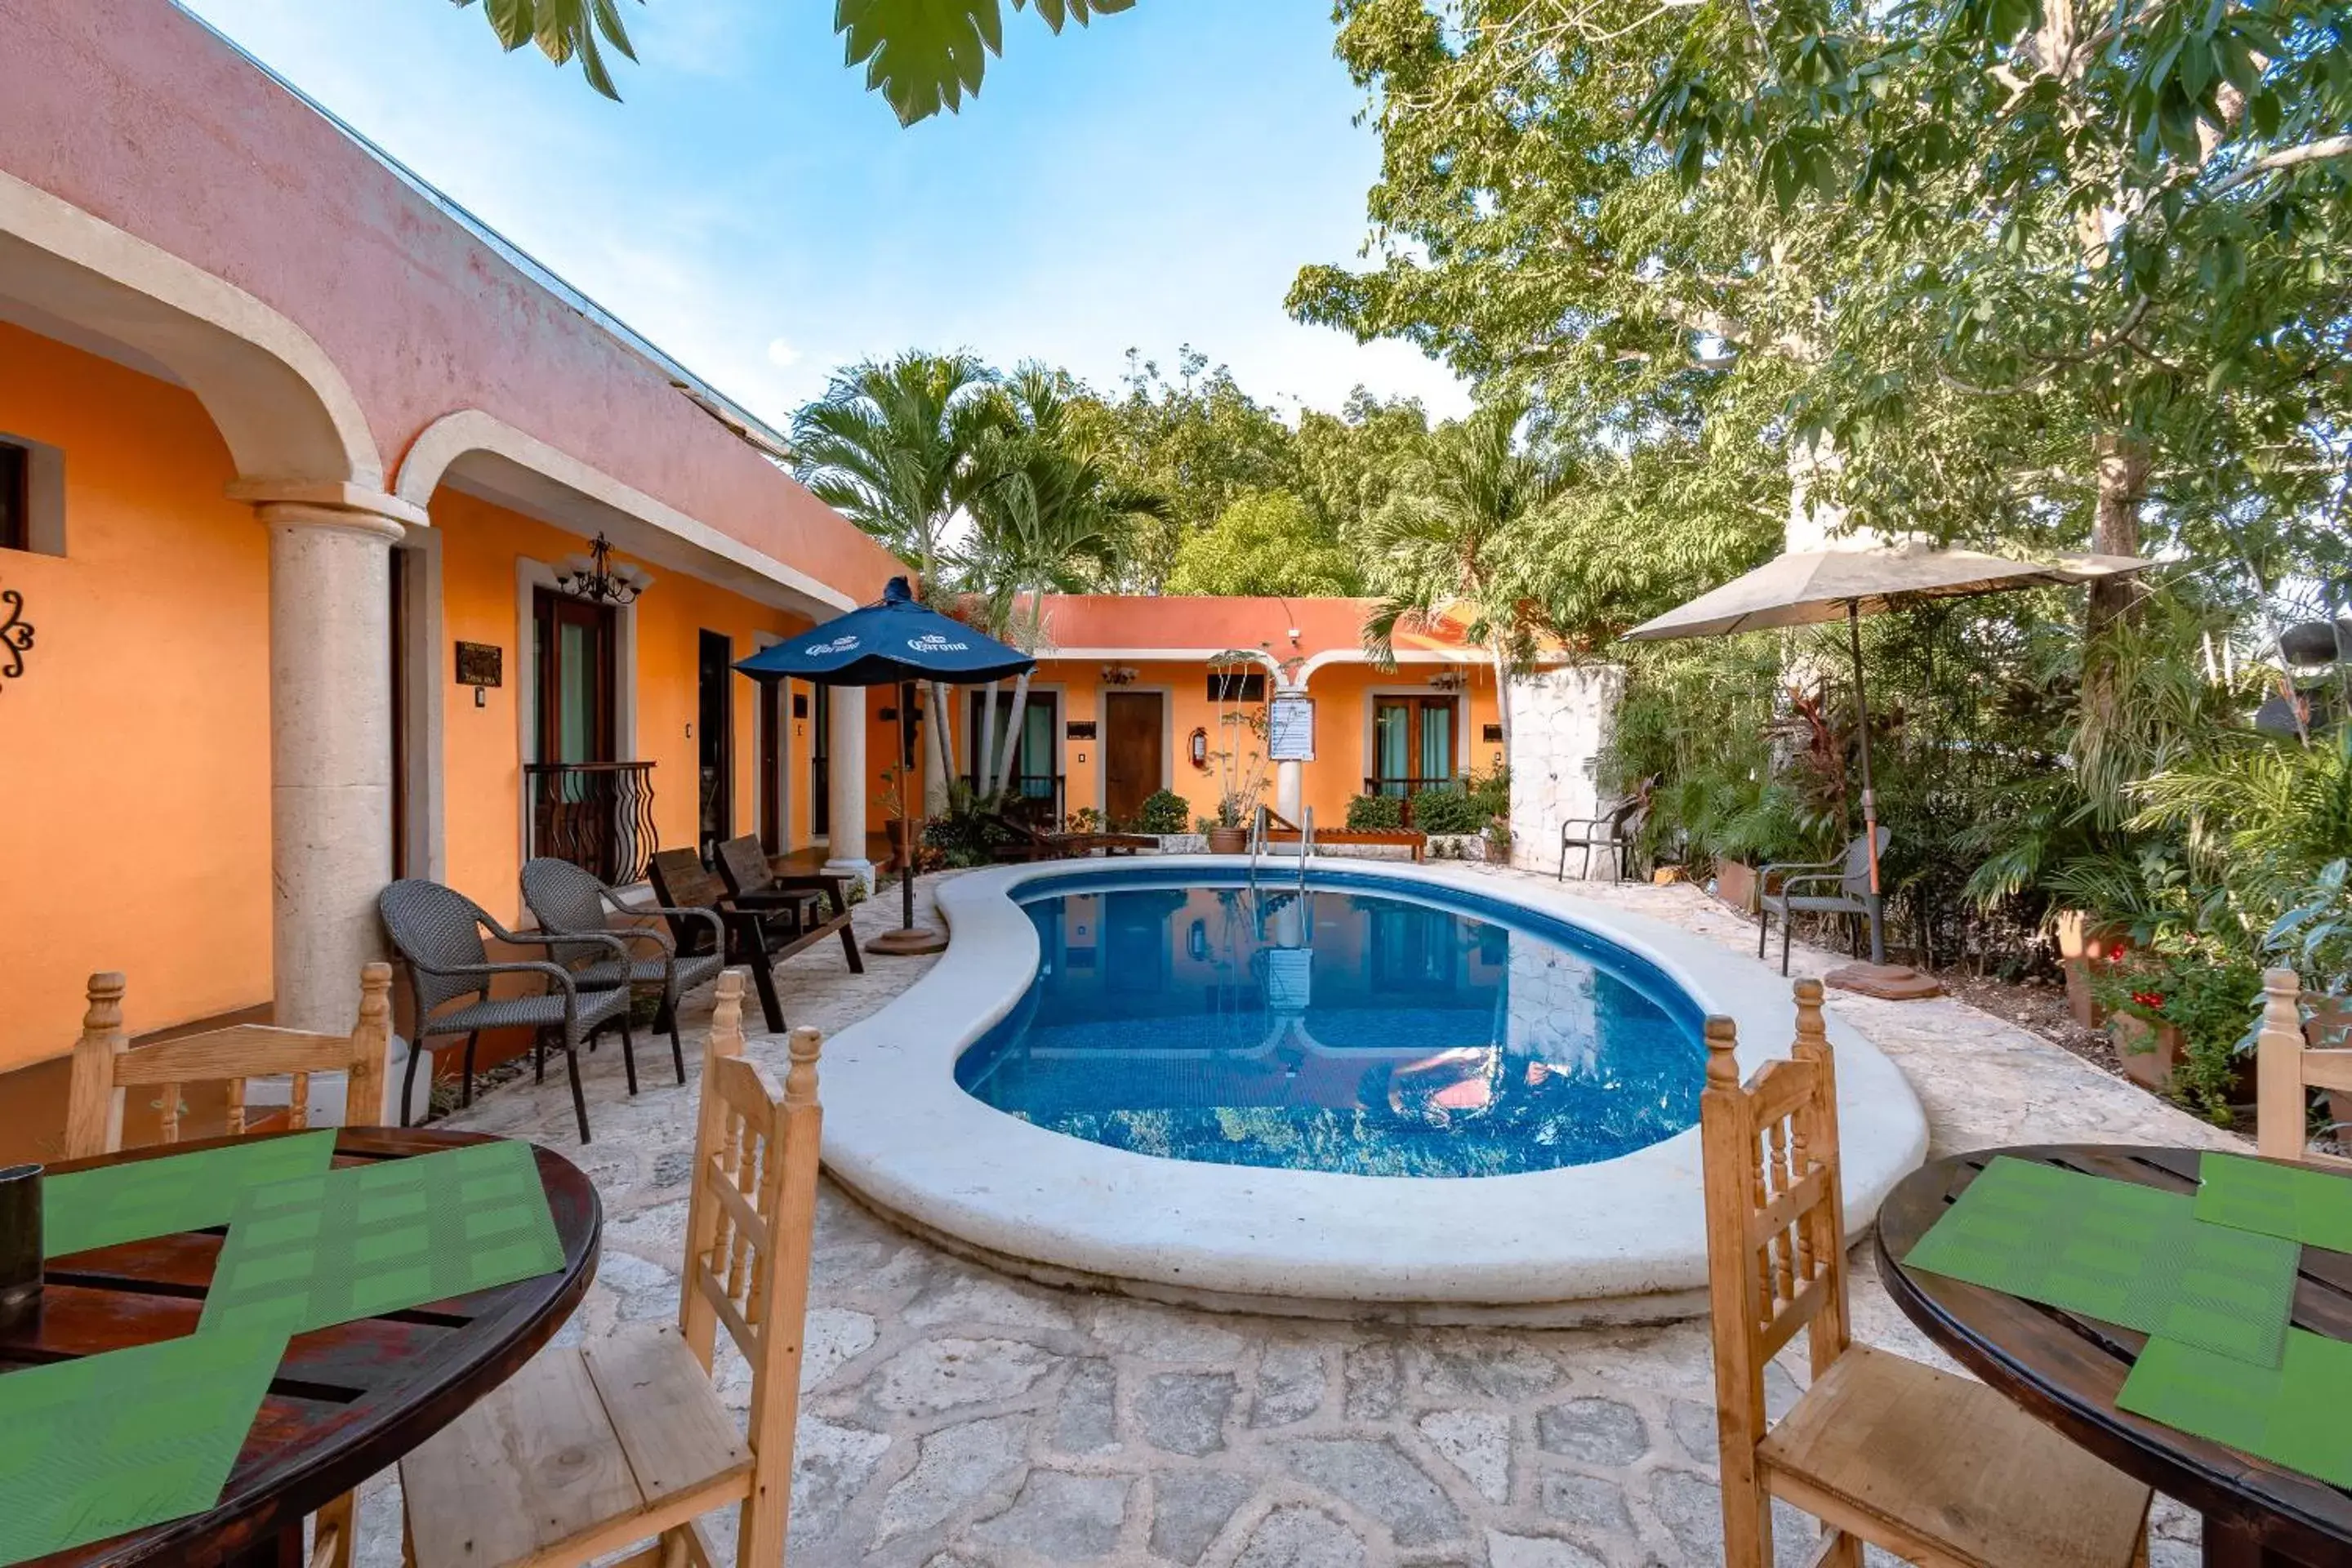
<point>767,924</point>
<point>1380,837</point>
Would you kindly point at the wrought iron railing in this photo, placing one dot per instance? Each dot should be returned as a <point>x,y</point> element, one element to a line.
<point>598,815</point>
<point>1040,794</point>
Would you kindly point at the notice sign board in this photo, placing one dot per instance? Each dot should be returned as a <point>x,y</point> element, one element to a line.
<point>1290,729</point>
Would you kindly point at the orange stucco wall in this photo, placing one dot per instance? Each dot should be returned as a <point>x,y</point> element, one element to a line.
<point>483,749</point>
<point>1343,695</point>
<point>134,748</point>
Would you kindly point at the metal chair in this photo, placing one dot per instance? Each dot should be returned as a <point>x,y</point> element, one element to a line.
<point>566,900</point>
<point>439,934</point>
<point>1850,875</point>
<point>1615,832</point>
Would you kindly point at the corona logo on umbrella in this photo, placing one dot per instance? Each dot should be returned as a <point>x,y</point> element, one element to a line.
<point>838,645</point>
<point>932,642</point>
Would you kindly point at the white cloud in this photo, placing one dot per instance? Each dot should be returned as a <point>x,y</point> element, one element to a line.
<point>781,354</point>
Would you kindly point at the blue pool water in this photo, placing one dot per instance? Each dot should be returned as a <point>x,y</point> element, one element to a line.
<point>1367,1028</point>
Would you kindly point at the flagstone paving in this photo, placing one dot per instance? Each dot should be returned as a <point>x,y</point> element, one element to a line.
<point>955,1417</point>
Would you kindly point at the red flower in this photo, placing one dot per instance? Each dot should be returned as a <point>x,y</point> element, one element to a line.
<point>2148,999</point>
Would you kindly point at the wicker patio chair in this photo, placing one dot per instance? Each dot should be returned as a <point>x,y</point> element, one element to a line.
<point>1849,874</point>
<point>1616,832</point>
<point>439,934</point>
<point>565,899</point>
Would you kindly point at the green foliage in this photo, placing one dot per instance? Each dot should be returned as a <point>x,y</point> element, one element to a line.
<point>1449,811</point>
<point>563,30</point>
<point>1269,544</point>
<point>1375,814</point>
<point>924,56</point>
<point>890,446</point>
<point>2211,996</point>
<point>969,832</point>
<point>1163,811</point>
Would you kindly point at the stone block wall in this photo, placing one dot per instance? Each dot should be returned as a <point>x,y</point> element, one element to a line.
<point>1562,720</point>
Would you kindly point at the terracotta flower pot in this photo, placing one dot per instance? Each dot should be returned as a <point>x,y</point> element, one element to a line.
<point>1228,841</point>
<point>2150,1051</point>
<point>2086,946</point>
<point>1736,884</point>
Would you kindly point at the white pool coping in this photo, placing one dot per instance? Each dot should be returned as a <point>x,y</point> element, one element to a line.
<point>1622,1240</point>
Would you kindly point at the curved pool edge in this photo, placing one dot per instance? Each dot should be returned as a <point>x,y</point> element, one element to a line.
<point>1620,1240</point>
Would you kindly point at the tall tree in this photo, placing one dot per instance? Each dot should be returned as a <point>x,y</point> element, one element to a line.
<point>1271,543</point>
<point>1047,515</point>
<point>921,56</point>
<point>1455,539</point>
<point>890,446</point>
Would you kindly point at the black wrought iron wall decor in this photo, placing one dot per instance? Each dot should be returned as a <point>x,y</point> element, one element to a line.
<point>16,635</point>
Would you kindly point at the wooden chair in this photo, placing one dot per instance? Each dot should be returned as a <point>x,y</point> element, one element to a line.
<point>759,935</point>
<point>106,1066</point>
<point>1935,1469</point>
<point>596,1447</point>
<point>2293,1056</point>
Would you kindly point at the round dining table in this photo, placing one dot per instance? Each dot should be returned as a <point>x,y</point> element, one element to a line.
<point>2065,1369</point>
<point>347,1401</point>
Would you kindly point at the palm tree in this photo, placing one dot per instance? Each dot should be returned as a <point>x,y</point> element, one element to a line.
<point>890,446</point>
<point>1453,536</point>
<point>1046,516</point>
<point>923,58</point>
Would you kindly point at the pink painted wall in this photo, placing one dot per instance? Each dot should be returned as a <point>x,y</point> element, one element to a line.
<point>130,110</point>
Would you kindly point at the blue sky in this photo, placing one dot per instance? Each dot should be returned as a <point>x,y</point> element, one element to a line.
<point>1154,180</point>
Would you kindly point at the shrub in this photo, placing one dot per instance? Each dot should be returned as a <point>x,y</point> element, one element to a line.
<point>1375,813</point>
<point>1449,811</point>
<point>2210,997</point>
<point>1163,812</point>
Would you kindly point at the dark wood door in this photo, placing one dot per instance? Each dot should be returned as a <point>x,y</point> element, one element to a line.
<point>575,696</point>
<point>1132,759</point>
<point>716,717</point>
<point>772,766</point>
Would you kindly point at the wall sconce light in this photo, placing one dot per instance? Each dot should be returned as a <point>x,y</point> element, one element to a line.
<point>1200,747</point>
<point>1119,674</point>
<point>1196,941</point>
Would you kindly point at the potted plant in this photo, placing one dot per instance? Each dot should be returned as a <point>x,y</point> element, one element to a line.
<point>1164,812</point>
<point>2086,945</point>
<point>1225,831</point>
<point>1498,841</point>
<point>2181,1018</point>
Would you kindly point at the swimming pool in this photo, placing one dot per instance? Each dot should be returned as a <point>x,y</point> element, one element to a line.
<point>1612,1239</point>
<point>1360,1028</point>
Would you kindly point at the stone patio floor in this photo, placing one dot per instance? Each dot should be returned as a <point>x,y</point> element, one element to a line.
<point>958,1418</point>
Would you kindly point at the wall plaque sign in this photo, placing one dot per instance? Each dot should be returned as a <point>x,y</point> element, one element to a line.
<point>1290,729</point>
<point>1080,730</point>
<point>480,664</point>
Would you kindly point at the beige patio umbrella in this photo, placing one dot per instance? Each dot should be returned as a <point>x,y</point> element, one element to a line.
<point>1864,578</point>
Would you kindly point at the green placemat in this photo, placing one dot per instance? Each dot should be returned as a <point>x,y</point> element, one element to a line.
<point>141,1198</point>
<point>2291,1415</point>
<point>370,1239</point>
<point>110,1443</point>
<point>2299,1204</point>
<point>2124,1254</point>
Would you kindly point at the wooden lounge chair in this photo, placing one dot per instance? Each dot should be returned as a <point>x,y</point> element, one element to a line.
<point>1884,1450</point>
<point>1027,841</point>
<point>760,935</point>
<point>105,1065</point>
<point>595,1448</point>
<point>1344,837</point>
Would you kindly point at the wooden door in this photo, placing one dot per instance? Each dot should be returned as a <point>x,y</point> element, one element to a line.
<point>715,715</point>
<point>771,711</point>
<point>1133,758</point>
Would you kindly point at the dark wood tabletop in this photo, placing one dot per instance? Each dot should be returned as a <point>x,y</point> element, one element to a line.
<point>2065,1369</point>
<point>348,1401</point>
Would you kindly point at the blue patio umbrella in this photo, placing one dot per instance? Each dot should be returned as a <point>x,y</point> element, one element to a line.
<point>893,642</point>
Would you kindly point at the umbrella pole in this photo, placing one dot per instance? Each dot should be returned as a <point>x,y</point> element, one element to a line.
<point>1869,795</point>
<point>910,939</point>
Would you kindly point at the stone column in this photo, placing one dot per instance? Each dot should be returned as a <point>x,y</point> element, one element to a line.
<point>1287,791</point>
<point>1562,719</point>
<point>329,753</point>
<point>846,782</point>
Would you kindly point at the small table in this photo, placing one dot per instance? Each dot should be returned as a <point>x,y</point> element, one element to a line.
<point>2066,1370</point>
<point>347,1401</point>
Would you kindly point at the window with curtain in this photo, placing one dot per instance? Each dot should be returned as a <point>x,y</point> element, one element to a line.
<point>1413,742</point>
